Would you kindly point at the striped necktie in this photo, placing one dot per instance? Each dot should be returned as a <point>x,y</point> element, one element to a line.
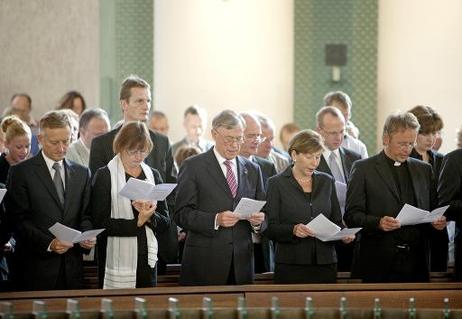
<point>230,178</point>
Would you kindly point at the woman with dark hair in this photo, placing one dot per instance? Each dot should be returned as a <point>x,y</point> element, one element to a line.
<point>72,100</point>
<point>127,249</point>
<point>295,197</point>
<point>430,126</point>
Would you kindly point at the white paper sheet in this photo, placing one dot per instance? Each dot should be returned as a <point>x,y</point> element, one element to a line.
<point>410,215</point>
<point>70,235</point>
<point>247,207</point>
<point>2,193</point>
<point>323,227</point>
<point>344,232</point>
<point>326,230</point>
<point>136,189</point>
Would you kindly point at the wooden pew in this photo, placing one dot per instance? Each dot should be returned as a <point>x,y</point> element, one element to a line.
<point>427,295</point>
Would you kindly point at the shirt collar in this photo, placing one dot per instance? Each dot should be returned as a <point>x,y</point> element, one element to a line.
<point>221,159</point>
<point>49,162</point>
<point>327,153</point>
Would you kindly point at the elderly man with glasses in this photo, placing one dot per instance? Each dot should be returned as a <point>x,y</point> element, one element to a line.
<point>210,185</point>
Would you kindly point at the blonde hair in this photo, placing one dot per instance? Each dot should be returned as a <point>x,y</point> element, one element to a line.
<point>12,126</point>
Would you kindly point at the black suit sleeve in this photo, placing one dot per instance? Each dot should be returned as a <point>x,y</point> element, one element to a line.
<point>19,211</point>
<point>450,187</point>
<point>187,215</point>
<point>160,221</point>
<point>277,230</point>
<point>97,154</point>
<point>356,208</point>
<point>86,223</point>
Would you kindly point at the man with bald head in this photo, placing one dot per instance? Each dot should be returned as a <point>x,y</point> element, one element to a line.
<point>210,185</point>
<point>263,247</point>
<point>337,162</point>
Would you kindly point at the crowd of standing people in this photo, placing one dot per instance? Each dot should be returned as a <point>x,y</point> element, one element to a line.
<point>69,167</point>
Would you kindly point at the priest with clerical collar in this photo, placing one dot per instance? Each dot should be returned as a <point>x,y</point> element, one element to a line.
<point>379,187</point>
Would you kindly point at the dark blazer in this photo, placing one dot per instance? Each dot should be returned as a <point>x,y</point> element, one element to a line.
<point>268,170</point>
<point>347,156</point>
<point>203,192</point>
<point>344,251</point>
<point>450,193</point>
<point>34,206</point>
<point>161,159</point>
<point>101,212</point>
<point>435,161</point>
<point>287,206</point>
<point>373,194</point>
<point>439,239</point>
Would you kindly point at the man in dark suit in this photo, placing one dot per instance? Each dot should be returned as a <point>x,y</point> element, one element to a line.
<point>379,187</point>
<point>450,193</point>
<point>263,247</point>
<point>42,191</point>
<point>218,248</point>
<point>135,101</point>
<point>337,162</point>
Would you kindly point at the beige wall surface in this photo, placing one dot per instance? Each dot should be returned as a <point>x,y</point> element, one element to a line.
<point>223,54</point>
<point>48,47</point>
<point>420,60</point>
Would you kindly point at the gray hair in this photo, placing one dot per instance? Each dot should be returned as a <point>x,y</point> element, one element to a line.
<point>335,112</point>
<point>400,121</point>
<point>90,114</point>
<point>227,119</point>
<point>265,121</point>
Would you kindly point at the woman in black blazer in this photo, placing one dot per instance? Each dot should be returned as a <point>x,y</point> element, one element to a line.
<point>430,124</point>
<point>294,198</point>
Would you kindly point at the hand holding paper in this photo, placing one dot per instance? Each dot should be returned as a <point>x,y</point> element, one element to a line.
<point>70,235</point>
<point>326,230</point>
<point>410,215</point>
<point>246,207</point>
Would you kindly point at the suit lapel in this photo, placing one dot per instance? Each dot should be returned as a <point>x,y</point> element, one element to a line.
<point>346,164</point>
<point>384,172</point>
<point>417,183</point>
<point>242,177</point>
<point>323,166</point>
<point>45,178</point>
<point>69,189</point>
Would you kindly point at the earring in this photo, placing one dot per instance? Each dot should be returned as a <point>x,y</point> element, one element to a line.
<point>294,160</point>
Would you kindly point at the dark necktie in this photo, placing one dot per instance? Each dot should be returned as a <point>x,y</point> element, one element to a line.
<point>230,178</point>
<point>58,182</point>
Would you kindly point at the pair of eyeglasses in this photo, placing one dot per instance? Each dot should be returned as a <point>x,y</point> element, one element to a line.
<point>137,152</point>
<point>231,139</point>
<point>254,137</point>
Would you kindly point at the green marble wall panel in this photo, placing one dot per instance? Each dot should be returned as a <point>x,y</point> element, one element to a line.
<point>127,35</point>
<point>349,22</point>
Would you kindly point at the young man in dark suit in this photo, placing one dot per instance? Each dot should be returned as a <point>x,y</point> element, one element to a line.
<point>218,248</point>
<point>450,193</point>
<point>337,162</point>
<point>379,187</point>
<point>135,101</point>
<point>44,190</point>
